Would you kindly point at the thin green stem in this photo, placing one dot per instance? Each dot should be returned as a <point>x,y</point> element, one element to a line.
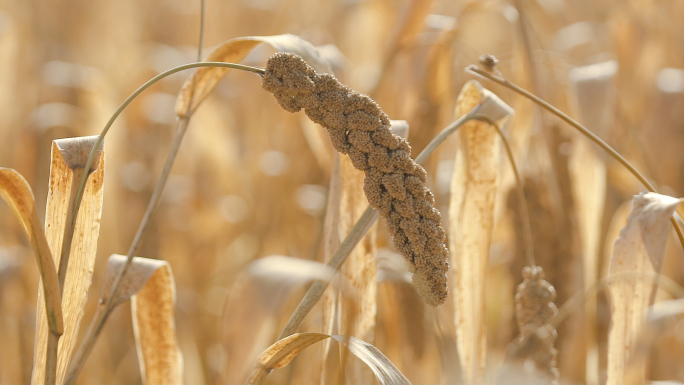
<point>524,213</point>
<point>502,81</point>
<point>357,232</point>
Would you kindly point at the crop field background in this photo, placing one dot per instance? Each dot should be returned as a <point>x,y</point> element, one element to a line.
<point>253,181</point>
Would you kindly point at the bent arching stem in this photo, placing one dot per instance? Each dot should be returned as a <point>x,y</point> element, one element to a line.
<point>585,131</point>
<point>106,307</point>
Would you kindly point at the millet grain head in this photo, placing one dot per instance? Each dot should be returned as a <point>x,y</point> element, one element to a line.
<point>394,183</point>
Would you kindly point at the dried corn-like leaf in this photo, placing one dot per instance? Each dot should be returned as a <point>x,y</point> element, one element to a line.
<point>152,308</point>
<point>68,159</point>
<point>471,217</point>
<point>639,248</point>
<point>203,81</point>
<point>282,352</point>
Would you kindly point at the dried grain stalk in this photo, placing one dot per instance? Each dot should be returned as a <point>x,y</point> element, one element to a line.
<point>394,184</point>
<point>471,219</point>
<point>68,160</point>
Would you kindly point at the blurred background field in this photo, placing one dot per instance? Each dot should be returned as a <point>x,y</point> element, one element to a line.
<point>252,180</point>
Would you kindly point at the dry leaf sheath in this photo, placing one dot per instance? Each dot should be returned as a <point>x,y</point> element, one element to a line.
<point>394,183</point>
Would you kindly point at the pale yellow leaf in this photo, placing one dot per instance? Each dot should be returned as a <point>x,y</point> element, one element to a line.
<point>471,221</point>
<point>639,248</point>
<point>203,81</point>
<point>594,105</point>
<point>152,309</point>
<point>68,158</point>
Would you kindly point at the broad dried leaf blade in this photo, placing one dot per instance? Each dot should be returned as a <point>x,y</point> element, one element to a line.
<point>68,158</point>
<point>639,248</point>
<point>203,81</point>
<point>471,221</point>
<point>135,279</point>
<point>154,326</point>
<point>594,104</point>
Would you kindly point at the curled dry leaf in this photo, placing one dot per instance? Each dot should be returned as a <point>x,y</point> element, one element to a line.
<point>282,352</point>
<point>16,192</point>
<point>135,279</point>
<point>203,81</point>
<point>471,219</point>
<point>68,159</point>
<point>152,308</point>
<point>639,248</point>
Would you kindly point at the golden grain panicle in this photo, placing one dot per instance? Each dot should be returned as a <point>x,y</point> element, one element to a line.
<point>394,183</point>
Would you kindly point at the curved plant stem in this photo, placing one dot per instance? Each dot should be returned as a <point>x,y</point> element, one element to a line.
<point>357,232</point>
<point>524,213</point>
<point>502,81</point>
<point>201,36</point>
<point>106,304</point>
<point>69,229</point>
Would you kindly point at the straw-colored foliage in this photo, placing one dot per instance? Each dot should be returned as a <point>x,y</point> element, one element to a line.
<point>270,218</point>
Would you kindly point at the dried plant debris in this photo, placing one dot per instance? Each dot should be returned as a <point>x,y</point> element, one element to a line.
<point>534,308</point>
<point>394,183</point>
